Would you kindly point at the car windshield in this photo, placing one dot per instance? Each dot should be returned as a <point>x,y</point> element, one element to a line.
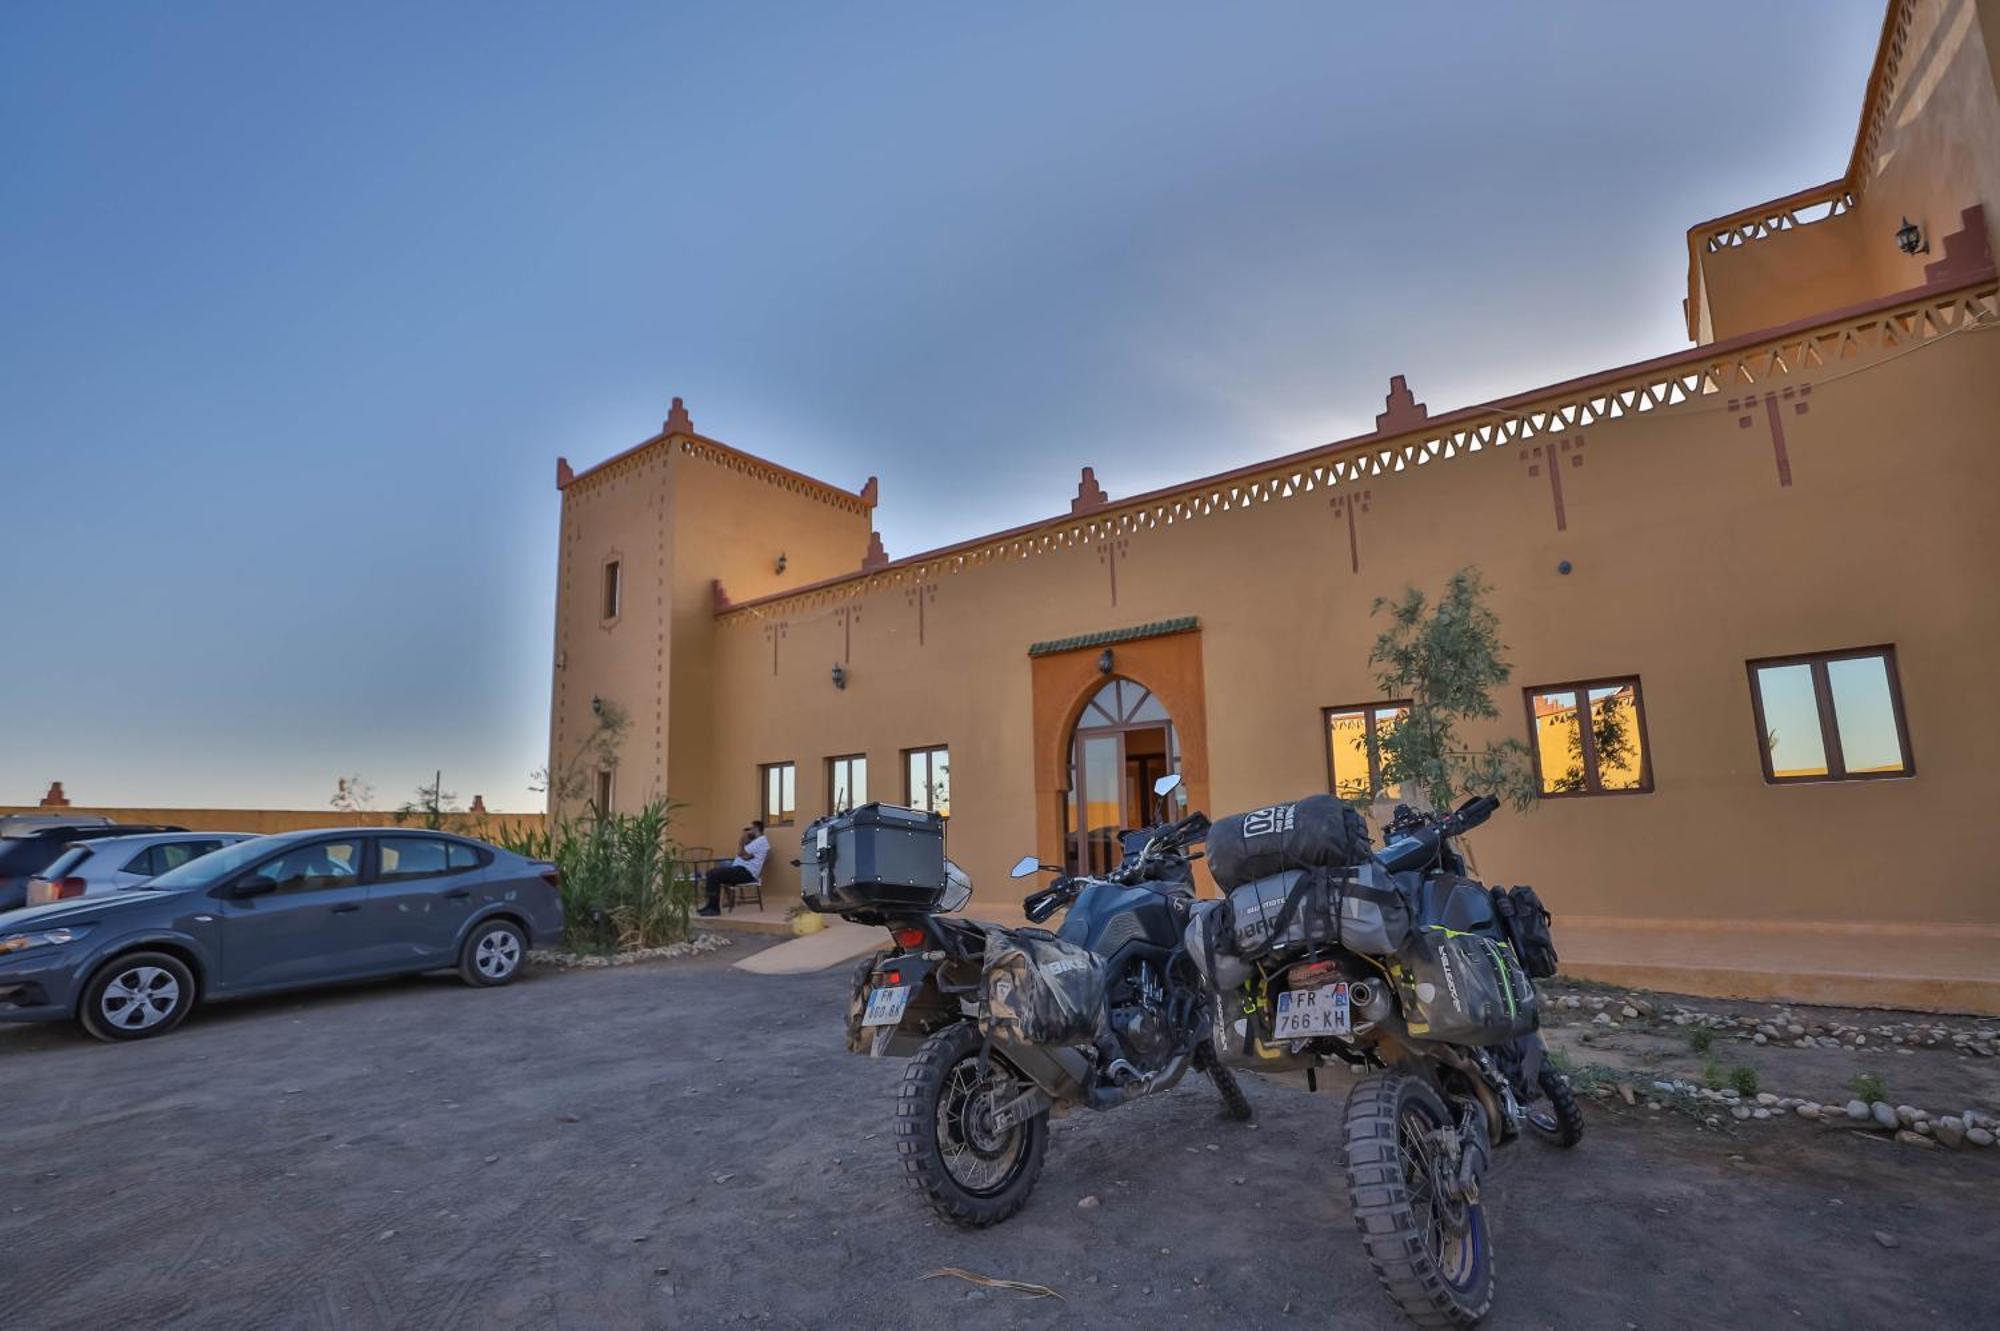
<point>211,868</point>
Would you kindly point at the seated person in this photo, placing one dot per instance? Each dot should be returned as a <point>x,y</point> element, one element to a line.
<point>748,867</point>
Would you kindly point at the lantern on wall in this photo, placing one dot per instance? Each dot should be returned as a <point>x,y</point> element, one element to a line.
<point>1910,238</point>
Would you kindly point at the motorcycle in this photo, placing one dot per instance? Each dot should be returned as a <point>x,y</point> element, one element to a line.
<point>972,1113</point>
<point>1424,1119</point>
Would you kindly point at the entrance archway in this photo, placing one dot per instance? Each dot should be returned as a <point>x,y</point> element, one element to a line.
<point>1123,741</point>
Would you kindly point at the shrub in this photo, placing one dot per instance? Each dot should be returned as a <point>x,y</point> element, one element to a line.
<point>1869,1087</point>
<point>1744,1079</point>
<point>1711,1075</point>
<point>1702,1040</point>
<point>625,883</point>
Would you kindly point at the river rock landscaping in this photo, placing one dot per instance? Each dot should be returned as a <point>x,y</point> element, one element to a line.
<point>1924,1081</point>
<point>563,959</point>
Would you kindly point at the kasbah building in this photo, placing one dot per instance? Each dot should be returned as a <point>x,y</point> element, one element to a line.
<point>1774,552</point>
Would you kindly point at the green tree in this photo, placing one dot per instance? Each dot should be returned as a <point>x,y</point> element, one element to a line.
<point>1447,660</point>
<point>432,804</point>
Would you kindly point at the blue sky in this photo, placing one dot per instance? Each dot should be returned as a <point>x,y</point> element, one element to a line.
<point>303,300</point>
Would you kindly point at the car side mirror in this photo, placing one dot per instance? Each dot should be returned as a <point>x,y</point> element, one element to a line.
<point>256,885</point>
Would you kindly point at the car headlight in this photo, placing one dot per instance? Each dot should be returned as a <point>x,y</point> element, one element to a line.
<point>48,938</point>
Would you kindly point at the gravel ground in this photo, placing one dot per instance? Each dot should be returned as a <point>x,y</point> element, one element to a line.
<point>683,1145</point>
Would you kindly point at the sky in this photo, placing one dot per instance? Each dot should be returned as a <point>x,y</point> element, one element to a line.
<point>299,302</point>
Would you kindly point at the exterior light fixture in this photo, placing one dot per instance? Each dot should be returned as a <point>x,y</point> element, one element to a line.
<point>1910,238</point>
<point>781,561</point>
<point>596,705</point>
<point>839,676</point>
<point>1104,662</point>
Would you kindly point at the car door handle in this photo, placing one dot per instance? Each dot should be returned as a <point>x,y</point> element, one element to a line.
<point>346,907</point>
<point>459,893</point>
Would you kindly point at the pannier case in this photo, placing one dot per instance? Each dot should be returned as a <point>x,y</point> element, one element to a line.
<point>1037,989</point>
<point>1464,988</point>
<point>879,857</point>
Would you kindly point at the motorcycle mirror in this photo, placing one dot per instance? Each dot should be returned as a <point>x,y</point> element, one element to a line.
<point>1026,867</point>
<point>1166,785</point>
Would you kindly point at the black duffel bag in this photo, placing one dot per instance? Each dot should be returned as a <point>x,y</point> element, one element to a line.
<point>1526,921</point>
<point>1317,832</point>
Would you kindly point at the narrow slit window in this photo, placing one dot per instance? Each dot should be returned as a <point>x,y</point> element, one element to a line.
<point>613,587</point>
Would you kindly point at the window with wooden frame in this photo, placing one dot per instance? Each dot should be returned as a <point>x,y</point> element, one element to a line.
<point>604,792</point>
<point>778,785</point>
<point>1589,738</point>
<point>1354,738</point>
<point>614,590</point>
<point>927,774</point>
<point>846,782</point>
<point>1831,716</point>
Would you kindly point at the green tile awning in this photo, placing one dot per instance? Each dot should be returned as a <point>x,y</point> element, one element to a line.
<point>1108,637</point>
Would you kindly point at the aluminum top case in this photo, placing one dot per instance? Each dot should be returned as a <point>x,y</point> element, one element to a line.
<point>877,859</point>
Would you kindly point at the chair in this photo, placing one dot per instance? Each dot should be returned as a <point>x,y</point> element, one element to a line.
<point>736,890</point>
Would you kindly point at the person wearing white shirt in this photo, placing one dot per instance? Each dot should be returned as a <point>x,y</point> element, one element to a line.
<point>747,867</point>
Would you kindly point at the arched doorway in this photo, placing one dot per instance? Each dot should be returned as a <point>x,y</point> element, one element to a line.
<point>1123,742</point>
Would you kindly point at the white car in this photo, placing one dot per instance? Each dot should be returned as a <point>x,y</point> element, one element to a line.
<point>112,864</point>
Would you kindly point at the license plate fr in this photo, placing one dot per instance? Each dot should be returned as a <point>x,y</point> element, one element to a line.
<point>1303,1014</point>
<point>885,1005</point>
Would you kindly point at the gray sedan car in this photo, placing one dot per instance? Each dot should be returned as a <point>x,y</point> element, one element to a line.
<point>274,913</point>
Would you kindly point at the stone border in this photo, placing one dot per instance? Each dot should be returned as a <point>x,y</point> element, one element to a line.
<point>564,960</point>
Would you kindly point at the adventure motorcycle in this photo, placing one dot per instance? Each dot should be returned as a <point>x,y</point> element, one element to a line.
<point>972,1005</point>
<point>1428,1111</point>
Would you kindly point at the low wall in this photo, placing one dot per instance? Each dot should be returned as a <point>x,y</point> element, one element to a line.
<point>263,822</point>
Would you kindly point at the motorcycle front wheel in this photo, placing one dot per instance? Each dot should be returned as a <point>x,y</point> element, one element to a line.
<point>1429,1247</point>
<point>971,1173</point>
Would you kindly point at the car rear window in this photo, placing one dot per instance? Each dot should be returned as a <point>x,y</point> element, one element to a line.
<point>29,855</point>
<point>66,862</point>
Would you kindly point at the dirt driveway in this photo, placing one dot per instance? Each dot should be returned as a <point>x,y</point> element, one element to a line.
<point>686,1145</point>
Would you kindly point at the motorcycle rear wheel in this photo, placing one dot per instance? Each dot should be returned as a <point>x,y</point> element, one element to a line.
<point>1430,1251</point>
<point>969,1173</point>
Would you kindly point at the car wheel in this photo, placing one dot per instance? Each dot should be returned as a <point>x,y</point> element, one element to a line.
<point>494,954</point>
<point>137,996</point>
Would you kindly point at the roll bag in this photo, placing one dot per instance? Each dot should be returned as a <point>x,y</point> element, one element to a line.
<point>1037,989</point>
<point>1464,988</point>
<point>1317,832</point>
<point>1526,921</point>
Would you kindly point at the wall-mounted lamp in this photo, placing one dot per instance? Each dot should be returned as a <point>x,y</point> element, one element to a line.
<point>596,705</point>
<point>781,561</point>
<point>1104,662</point>
<point>839,676</point>
<point>1910,238</point>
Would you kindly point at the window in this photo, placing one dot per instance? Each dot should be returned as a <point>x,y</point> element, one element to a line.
<point>404,858</point>
<point>1831,716</point>
<point>169,855</point>
<point>780,785</point>
<point>323,864</point>
<point>846,782</point>
<point>602,803</point>
<point>613,597</point>
<point>466,857</point>
<point>1606,757</point>
<point>67,863</point>
<point>929,772</point>
<point>1354,738</point>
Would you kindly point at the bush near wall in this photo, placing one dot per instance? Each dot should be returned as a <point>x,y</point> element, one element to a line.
<point>625,881</point>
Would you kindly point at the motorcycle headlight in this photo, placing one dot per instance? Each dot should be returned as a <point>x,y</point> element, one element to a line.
<point>48,938</point>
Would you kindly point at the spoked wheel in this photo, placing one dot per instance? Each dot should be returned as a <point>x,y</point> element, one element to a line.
<point>970,1171</point>
<point>1556,1118</point>
<point>1428,1245</point>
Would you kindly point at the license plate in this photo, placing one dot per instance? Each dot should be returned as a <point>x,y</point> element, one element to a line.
<point>885,1005</point>
<point>1305,1013</point>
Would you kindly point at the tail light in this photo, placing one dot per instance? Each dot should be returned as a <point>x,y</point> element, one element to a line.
<point>65,888</point>
<point>553,877</point>
<point>909,938</point>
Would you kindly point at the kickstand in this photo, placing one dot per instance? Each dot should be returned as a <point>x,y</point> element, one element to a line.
<point>1312,1079</point>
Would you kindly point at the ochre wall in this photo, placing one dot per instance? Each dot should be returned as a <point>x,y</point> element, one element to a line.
<point>265,822</point>
<point>1928,149</point>
<point>1689,557</point>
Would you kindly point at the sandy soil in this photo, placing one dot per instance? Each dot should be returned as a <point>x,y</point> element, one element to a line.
<point>680,1144</point>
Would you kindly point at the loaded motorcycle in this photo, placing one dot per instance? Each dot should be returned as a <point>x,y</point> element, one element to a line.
<point>1396,964</point>
<point>1005,1026</point>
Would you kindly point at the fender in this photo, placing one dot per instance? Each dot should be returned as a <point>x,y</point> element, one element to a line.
<point>205,963</point>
